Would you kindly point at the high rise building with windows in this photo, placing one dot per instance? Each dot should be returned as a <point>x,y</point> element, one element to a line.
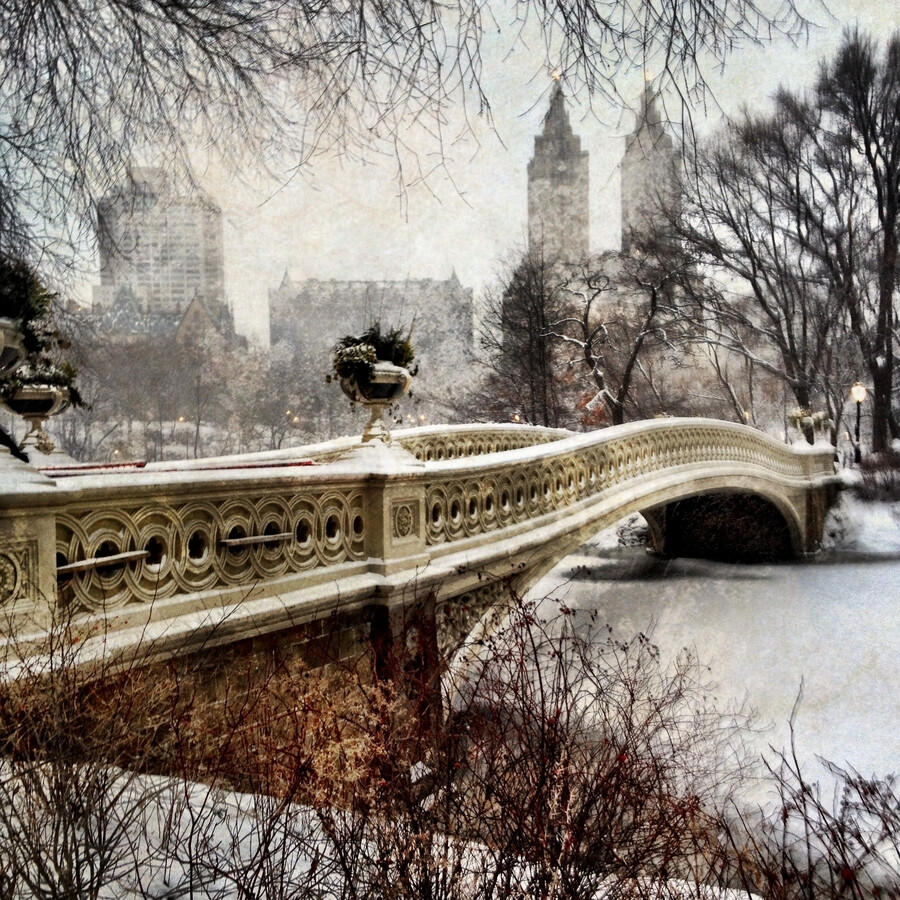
<point>559,188</point>
<point>159,252</point>
<point>649,170</point>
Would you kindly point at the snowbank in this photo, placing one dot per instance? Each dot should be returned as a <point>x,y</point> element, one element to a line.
<point>860,526</point>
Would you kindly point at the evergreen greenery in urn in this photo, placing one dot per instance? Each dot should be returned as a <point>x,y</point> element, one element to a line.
<point>43,381</point>
<point>374,369</point>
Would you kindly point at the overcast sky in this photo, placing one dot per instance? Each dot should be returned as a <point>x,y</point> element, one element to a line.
<point>345,220</point>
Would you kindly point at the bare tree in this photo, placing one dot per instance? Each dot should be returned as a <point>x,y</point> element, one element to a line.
<point>626,318</point>
<point>859,95</point>
<point>528,363</point>
<point>800,208</point>
<point>735,217</point>
<point>596,342</point>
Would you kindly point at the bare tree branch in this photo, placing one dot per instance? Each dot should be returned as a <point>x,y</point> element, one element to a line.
<point>88,88</point>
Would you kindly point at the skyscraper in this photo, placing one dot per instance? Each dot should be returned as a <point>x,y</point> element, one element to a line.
<point>558,188</point>
<point>649,170</point>
<point>159,250</point>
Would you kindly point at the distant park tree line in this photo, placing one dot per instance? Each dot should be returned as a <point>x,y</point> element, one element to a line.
<point>776,270</point>
<point>153,397</point>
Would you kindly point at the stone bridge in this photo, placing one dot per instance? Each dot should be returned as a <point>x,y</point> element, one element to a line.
<point>339,539</point>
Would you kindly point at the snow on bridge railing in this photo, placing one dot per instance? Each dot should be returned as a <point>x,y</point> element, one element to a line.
<point>427,443</point>
<point>165,539</point>
<point>448,442</point>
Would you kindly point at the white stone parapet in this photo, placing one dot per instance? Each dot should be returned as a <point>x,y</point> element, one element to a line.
<point>215,550</point>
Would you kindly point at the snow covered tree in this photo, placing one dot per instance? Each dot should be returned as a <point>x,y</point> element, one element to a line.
<point>625,321</point>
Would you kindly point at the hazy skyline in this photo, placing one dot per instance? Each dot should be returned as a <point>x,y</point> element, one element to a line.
<point>344,219</point>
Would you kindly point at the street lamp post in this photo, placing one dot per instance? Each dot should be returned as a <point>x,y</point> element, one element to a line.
<point>858,395</point>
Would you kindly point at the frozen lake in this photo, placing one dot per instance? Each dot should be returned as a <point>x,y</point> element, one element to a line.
<point>832,622</point>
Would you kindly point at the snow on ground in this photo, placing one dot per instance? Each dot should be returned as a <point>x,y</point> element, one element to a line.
<point>856,526</point>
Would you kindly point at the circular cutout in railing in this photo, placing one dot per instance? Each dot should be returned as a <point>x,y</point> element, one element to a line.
<point>236,533</point>
<point>156,551</point>
<point>197,547</point>
<point>270,530</point>
<point>107,548</point>
<point>303,532</point>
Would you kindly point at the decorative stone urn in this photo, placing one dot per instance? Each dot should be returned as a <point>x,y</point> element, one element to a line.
<point>387,384</point>
<point>10,345</point>
<point>35,403</point>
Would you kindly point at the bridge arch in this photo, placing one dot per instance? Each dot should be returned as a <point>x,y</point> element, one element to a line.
<point>731,526</point>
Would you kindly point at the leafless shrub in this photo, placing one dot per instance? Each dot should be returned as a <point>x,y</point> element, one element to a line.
<point>590,760</point>
<point>838,837</point>
<point>880,476</point>
<point>557,762</point>
<point>72,737</point>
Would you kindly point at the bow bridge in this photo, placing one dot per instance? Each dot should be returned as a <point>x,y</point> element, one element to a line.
<point>330,544</point>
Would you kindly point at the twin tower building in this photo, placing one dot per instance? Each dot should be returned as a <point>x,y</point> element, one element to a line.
<point>559,182</point>
<point>300,312</point>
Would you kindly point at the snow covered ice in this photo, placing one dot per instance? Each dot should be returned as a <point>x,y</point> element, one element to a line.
<point>830,623</point>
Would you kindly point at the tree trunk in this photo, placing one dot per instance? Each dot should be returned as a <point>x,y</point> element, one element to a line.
<point>882,366</point>
<point>618,414</point>
<point>881,407</point>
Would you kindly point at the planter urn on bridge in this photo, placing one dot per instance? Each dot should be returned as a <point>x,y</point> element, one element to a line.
<point>374,369</point>
<point>36,403</point>
<point>387,384</point>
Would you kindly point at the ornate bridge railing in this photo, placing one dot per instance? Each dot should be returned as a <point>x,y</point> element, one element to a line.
<point>475,499</point>
<point>217,550</point>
